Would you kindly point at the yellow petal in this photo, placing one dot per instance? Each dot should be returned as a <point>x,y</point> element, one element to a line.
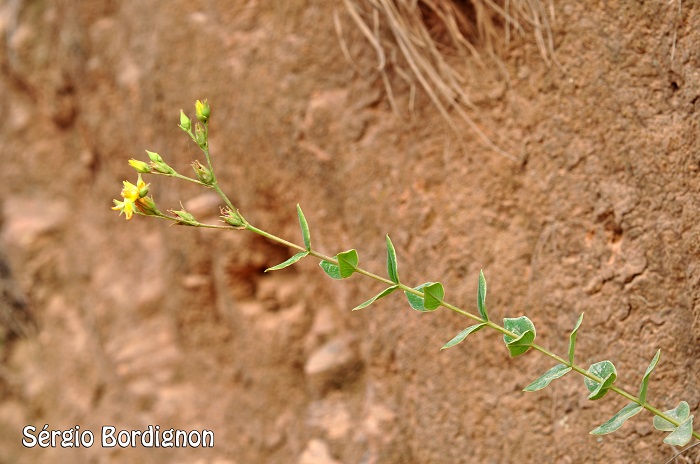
<point>128,209</point>
<point>130,191</point>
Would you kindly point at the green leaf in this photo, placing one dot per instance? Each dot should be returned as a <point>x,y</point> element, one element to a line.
<point>481,296</point>
<point>385,292</point>
<point>433,295</point>
<point>331,269</point>
<point>391,265</point>
<point>679,414</point>
<point>347,262</point>
<point>554,373</point>
<point>289,262</point>
<point>572,338</point>
<point>617,420</point>
<point>682,435</point>
<point>645,379</point>
<point>525,331</point>
<point>416,301</point>
<point>304,228</point>
<point>606,371</point>
<point>462,335</point>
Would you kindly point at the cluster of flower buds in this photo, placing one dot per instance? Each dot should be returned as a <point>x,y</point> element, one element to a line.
<point>135,197</point>
<point>200,134</point>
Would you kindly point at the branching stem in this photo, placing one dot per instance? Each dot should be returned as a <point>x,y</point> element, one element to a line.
<point>184,218</point>
<point>494,326</point>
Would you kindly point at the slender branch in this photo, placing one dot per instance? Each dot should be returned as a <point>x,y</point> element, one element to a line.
<point>498,328</point>
<point>184,218</point>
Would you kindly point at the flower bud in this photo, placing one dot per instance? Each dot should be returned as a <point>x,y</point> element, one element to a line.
<point>202,110</point>
<point>185,123</point>
<point>140,166</point>
<point>148,207</point>
<point>200,135</point>
<point>158,165</point>
<point>162,168</point>
<point>143,191</point>
<point>203,173</point>
<point>185,217</point>
<point>233,218</point>
<point>155,157</point>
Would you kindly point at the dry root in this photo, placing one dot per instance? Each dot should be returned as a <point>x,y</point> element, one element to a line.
<point>424,33</point>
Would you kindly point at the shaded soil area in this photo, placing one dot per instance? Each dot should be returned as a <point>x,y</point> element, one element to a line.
<point>130,324</point>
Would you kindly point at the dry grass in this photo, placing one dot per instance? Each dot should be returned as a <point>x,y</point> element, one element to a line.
<point>421,35</point>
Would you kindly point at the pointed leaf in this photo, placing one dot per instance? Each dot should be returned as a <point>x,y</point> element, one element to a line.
<point>391,265</point>
<point>481,296</point>
<point>462,335</point>
<point>304,228</point>
<point>679,414</point>
<point>433,295</point>
<point>554,373</point>
<point>347,262</point>
<point>331,269</point>
<point>524,329</point>
<point>606,371</point>
<point>416,301</point>
<point>289,262</point>
<point>645,379</point>
<point>385,292</point>
<point>572,339</point>
<point>682,435</point>
<point>617,420</point>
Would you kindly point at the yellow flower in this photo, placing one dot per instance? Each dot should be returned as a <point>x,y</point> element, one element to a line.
<point>134,192</point>
<point>126,207</point>
<point>131,194</point>
<point>140,166</point>
<point>202,110</point>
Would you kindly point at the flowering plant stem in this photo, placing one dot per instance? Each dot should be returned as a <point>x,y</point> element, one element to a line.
<point>474,317</point>
<point>518,333</point>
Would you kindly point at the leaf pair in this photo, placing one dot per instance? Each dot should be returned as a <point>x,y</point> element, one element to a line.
<point>481,305</point>
<point>680,434</point>
<point>392,269</point>
<point>630,410</point>
<point>525,333</point>
<point>307,243</point>
<point>559,370</point>
<point>345,267</point>
<point>521,327</point>
<point>604,370</point>
<point>433,293</point>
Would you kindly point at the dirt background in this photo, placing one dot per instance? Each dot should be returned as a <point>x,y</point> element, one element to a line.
<point>106,322</point>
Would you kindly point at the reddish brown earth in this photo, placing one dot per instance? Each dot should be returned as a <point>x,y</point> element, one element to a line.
<point>141,323</point>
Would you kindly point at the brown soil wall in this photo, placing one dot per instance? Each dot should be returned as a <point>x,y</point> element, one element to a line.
<point>141,323</point>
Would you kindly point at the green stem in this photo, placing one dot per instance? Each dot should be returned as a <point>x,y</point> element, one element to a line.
<point>476,318</point>
<point>451,307</point>
<point>214,184</point>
